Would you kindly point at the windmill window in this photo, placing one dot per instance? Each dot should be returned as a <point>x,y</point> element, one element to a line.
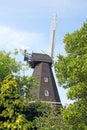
<point>46,92</point>
<point>46,79</point>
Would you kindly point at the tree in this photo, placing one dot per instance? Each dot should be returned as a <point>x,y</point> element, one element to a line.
<point>12,101</point>
<point>11,107</point>
<point>45,117</point>
<point>8,65</point>
<point>71,72</point>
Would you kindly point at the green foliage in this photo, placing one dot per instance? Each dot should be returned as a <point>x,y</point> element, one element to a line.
<point>36,109</point>
<point>50,120</point>
<point>11,106</point>
<point>45,117</point>
<point>25,83</point>
<point>76,115</point>
<point>71,71</point>
<point>8,65</point>
<point>11,103</point>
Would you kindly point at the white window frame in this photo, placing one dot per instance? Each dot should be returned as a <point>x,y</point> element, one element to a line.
<point>46,79</point>
<point>46,93</point>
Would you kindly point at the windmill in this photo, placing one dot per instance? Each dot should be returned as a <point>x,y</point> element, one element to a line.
<point>42,65</point>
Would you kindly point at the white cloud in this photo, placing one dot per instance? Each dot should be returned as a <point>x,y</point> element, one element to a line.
<point>11,38</point>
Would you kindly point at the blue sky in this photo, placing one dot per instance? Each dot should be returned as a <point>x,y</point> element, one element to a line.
<point>29,23</point>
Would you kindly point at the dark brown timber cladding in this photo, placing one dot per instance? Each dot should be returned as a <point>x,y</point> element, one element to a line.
<point>47,90</point>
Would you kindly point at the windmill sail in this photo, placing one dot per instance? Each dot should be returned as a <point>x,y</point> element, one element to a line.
<point>53,37</point>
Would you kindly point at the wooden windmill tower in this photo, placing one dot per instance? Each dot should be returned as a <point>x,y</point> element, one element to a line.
<point>42,65</point>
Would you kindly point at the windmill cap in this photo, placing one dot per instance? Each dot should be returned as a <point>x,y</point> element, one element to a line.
<point>38,58</point>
